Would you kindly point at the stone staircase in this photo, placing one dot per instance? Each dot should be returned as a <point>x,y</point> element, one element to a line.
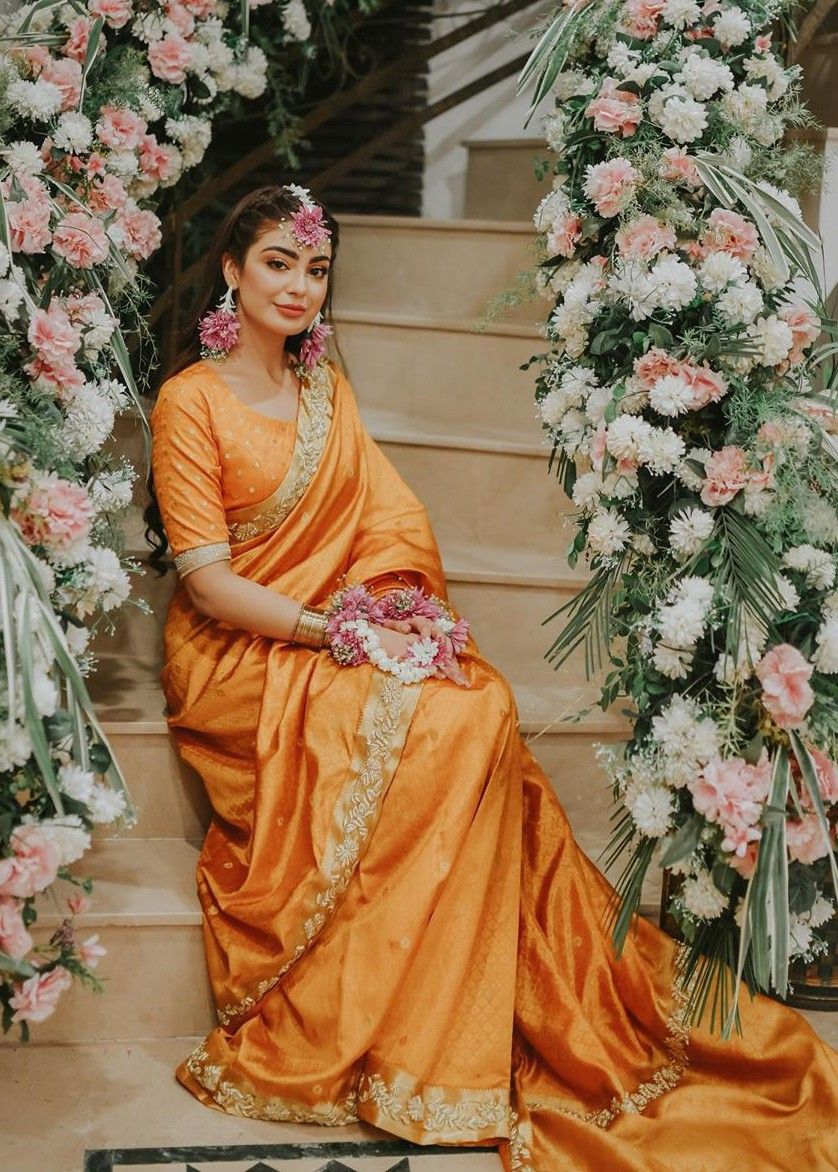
<point>451,409</point>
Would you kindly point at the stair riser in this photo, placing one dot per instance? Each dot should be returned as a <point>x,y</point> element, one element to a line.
<point>501,182</point>
<point>447,377</point>
<point>157,985</point>
<point>430,271</point>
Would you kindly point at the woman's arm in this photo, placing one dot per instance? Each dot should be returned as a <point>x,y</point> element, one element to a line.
<point>218,592</point>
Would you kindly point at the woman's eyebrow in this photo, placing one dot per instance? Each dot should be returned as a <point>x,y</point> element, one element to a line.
<point>293,255</point>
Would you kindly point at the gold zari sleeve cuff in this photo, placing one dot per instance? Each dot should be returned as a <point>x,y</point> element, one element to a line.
<point>201,555</point>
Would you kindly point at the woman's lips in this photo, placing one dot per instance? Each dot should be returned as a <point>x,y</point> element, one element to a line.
<point>291,310</point>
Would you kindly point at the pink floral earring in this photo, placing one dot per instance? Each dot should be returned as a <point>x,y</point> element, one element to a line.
<point>218,329</point>
<point>314,343</point>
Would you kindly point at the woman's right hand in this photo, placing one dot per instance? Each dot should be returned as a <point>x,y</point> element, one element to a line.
<point>396,644</point>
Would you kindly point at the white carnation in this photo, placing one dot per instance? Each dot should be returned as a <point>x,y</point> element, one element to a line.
<point>37,100</point>
<point>608,533</point>
<point>75,782</point>
<point>773,337</point>
<point>586,490</point>
<point>681,624</point>
<point>23,158</point>
<point>719,269</point>
<point>704,76</point>
<point>652,811</point>
<point>740,304</point>
<point>689,476</point>
<point>88,422</point>
<point>108,577</point>
<point>683,119</point>
<point>661,449</point>
<point>674,282</point>
<point>739,153</point>
<point>552,407</point>
<point>701,897</point>
<point>825,657</point>
<point>631,283</point>
<point>731,27</point>
<point>689,531</point>
<point>554,204</point>
<point>672,662</point>
<point>11,299</point>
<point>74,132</point>
<point>295,20</point>
<point>687,739</point>
<point>680,13</point>
<point>624,436</point>
<point>816,564</point>
<point>5,260</point>
<point>105,804</point>
<point>573,83</point>
<point>671,395</point>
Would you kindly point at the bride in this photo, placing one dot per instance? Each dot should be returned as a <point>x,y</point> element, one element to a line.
<point>399,926</point>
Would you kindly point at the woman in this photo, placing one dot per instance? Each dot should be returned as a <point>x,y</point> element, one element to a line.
<point>399,926</point>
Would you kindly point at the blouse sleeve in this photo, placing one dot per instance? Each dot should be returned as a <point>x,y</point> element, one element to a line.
<point>187,476</point>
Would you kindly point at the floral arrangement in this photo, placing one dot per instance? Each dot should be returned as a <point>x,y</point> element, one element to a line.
<point>102,105</point>
<point>691,420</point>
<point>351,639</point>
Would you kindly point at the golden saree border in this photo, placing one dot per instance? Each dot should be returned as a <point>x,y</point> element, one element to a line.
<point>388,711</point>
<point>314,418</point>
<point>664,1079</point>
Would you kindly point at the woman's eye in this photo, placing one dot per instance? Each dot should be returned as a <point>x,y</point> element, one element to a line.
<point>320,272</point>
<point>277,262</point>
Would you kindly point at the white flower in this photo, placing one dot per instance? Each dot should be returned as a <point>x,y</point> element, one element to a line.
<point>680,13</point>
<point>554,131</point>
<point>11,299</point>
<point>571,83</point>
<point>821,520</point>
<point>681,625</point>
<point>672,662</point>
<point>704,76</point>
<point>88,423</point>
<point>598,400</point>
<point>149,26</point>
<point>23,158</point>
<point>652,811</point>
<point>661,449</point>
<point>800,936</point>
<point>74,132</point>
<point>719,269</point>
<point>5,260</point>
<point>767,66</point>
<point>740,304</point>
<point>816,564</point>
<point>766,270</point>
<point>608,533</point>
<point>44,693</point>
<point>586,490</point>
<point>624,435</point>
<point>687,739</point>
<point>739,153</point>
<point>37,100</point>
<point>773,337</point>
<point>683,119</point>
<point>731,27</point>
<point>825,657</point>
<point>554,204</point>
<point>689,531</point>
<point>68,835</point>
<point>701,897</point>
<point>821,912</point>
<point>295,21</point>
<point>75,782</point>
<point>631,283</point>
<point>108,578</point>
<point>621,58</point>
<point>552,407</point>
<point>105,804</point>
<point>674,282</point>
<point>745,107</point>
<point>671,395</point>
<point>689,476</point>
<point>111,490</point>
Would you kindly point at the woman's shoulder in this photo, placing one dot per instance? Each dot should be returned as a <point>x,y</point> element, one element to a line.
<point>186,390</point>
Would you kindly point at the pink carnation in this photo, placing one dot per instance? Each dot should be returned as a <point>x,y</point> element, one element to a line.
<point>81,239</point>
<point>61,374</point>
<point>52,333</point>
<point>76,45</point>
<point>36,998</point>
<point>181,17</point>
<point>645,237</point>
<point>805,840</point>
<point>120,128</point>
<point>611,185</point>
<point>201,8</point>
<point>655,364</point>
<point>641,18</point>
<point>116,13</point>
<point>677,166</point>
<point>786,694</point>
<point>708,386</point>
<point>56,513</point>
<point>563,235</point>
<point>32,867</point>
<point>727,231</point>
<point>614,110</point>
<point>107,194</point>
<point>15,941</point>
<point>726,474</point>
<point>141,229</point>
<point>169,58</point>
<point>29,226</point>
<point>66,74</point>
<point>827,773</point>
<point>732,793</point>
<point>96,164</point>
<point>805,327</point>
<point>219,330</point>
<point>157,160</point>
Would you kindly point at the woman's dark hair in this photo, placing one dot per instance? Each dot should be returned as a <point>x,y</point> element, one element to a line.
<point>255,213</point>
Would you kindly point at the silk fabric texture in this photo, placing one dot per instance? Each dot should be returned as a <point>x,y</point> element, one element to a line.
<point>399,926</point>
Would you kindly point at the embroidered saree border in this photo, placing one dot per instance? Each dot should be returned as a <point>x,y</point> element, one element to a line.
<point>201,555</point>
<point>314,419</point>
<point>386,717</point>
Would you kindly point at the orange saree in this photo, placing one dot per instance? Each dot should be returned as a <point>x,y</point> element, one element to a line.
<point>399,925</point>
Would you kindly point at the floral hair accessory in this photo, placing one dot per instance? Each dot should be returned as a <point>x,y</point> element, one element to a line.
<point>307,222</point>
<point>314,343</point>
<point>219,329</point>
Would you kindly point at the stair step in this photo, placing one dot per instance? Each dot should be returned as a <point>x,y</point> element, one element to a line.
<point>432,268</point>
<point>500,178</point>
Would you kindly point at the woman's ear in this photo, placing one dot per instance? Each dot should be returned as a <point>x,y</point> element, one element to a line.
<point>228,268</point>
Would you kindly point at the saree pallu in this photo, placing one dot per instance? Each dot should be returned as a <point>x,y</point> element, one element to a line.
<point>399,925</point>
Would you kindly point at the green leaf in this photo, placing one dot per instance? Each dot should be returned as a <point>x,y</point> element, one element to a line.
<point>605,341</point>
<point>684,841</point>
<point>16,968</point>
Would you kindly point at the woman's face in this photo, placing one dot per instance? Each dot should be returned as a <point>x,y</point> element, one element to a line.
<point>282,284</point>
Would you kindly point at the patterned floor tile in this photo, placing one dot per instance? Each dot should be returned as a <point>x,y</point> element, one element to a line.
<point>372,1156</point>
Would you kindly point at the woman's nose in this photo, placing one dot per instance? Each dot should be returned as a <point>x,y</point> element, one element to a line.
<point>297,280</point>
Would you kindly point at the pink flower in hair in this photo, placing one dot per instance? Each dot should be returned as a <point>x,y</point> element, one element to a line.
<point>308,226</point>
<point>314,346</point>
<point>219,330</point>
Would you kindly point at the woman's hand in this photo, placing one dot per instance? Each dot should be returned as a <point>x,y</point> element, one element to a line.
<point>419,627</point>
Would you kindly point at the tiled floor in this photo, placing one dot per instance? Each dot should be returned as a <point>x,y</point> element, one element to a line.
<point>371,1156</point>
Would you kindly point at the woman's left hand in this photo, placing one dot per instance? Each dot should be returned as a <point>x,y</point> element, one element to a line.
<point>426,628</point>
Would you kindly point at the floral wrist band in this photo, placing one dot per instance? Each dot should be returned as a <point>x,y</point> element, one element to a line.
<point>352,610</point>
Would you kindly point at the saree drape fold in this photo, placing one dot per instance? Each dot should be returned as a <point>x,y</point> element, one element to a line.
<point>399,925</point>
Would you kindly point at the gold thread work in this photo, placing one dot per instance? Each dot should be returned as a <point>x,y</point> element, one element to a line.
<point>442,1112</point>
<point>201,555</point>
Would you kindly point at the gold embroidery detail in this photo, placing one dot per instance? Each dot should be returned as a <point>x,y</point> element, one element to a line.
<point>520,1156</point>
<point>444,1113</point>
<point>315,415</point>
<point>384,723</point>
<point>237,1102</point>
<point>665,1078</point>
<point>201,555</point>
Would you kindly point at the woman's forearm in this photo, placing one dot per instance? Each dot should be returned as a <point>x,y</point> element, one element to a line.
<point>215,590</point>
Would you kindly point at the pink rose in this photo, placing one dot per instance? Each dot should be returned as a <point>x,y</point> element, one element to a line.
<point>564,234</point>
<point>91,952</point>
<point>66,74</point>
<point>120,128</point>
<point>157,160</point>
<point>644,237</point>
<point>804,326</point>
<point>169,58</point>
<point>655,364</point>
<point>729,232</point>
<point>55,514</point>
<point>614,110</point>
<point>15,941</point>
<point>610,186</point>
<point>37,997</point>
<point>52,333</point>
<point>641,18</point>
<point>142,231</point>
<point>116,13</point>
<point>32,867</point>
<point>805,839</point>
<point>81,239</point>
<point>708,386</point>
<point>786,695</point>
<point>726,473</point>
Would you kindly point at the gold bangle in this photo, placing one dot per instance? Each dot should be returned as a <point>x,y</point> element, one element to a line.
<point>310,628</point>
